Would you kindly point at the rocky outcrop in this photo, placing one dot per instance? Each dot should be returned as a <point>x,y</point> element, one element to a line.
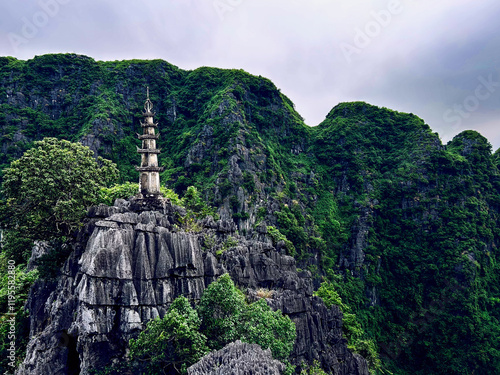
<point>353,256</point>
<point>238,358</point>
<point>128,265</point>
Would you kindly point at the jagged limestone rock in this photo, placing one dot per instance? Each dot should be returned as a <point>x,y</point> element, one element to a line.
<point>238,358</point>
<point>128,266</point>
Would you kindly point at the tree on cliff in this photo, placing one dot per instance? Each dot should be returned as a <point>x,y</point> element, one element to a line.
<point>173,343</point>
<point>49,189</point>
<point>184,335</point>
<point>226,317</point>
<point>220,309</point>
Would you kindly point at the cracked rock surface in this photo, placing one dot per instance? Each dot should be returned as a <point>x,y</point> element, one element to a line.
<point>129,264</point>
<point>238,358</point>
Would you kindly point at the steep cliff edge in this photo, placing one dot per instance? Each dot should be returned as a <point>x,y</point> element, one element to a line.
<point>405,227</point>
<point>127,267</point>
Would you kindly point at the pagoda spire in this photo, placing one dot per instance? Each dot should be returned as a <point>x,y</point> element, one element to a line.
<point>149,179</point>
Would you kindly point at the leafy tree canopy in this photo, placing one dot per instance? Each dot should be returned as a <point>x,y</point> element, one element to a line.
<point>270,329</point>
<point>220,308</point>
<point>49,189</point>
<point>173,343</point>
<point>184,335</point>
<point>226,317</point>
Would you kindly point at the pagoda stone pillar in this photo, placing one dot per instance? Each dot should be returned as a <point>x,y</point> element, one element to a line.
<point>149,179</point>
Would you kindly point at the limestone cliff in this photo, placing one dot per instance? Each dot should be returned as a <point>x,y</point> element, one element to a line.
<point>238,359</point>
<point>370,193</point>
<point>128,265</point>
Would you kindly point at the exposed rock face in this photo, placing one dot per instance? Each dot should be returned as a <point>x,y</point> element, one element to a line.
<point>353,256</point>
<point>238,358</point>
<point>129,265</point>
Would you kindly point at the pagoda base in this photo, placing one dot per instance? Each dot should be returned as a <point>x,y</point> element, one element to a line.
<point>151,202</point>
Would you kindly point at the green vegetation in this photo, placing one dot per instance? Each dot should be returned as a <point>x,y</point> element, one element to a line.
<point>220,308</point>
<point>184,335</point>
<point>13,310</point>
<point>270,329</point>
<point>315,369</point>
<point>277,236</point>
<point>108,195</point>
<point>46,194</point>
<point>49,189</point>
<point>226,317</point>
<point>358,339</point>
<point>171,344</point>
<point>228,243</point>
<point>195,205</point>
<point>404,228</point>
<point>432,216</point>
<point>196,209</point>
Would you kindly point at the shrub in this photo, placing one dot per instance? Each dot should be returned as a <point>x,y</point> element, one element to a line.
<point>108,195</point>
<point>277,236</point>
<point>270,329</point>
<point>226,317</point>
<point>330,296</point>
<point>195,205</point>
<point>173,343</point>
<point>220,309</point>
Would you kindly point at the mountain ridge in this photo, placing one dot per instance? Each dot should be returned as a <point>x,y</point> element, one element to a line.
<point>369,199</point>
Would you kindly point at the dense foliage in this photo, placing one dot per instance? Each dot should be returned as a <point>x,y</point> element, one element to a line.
<point>358,339</point>
<point>171,344</point>
<point>46,194</point>
<point>220,309</point>
<point>270,329</point>
<point>226,317</point>
<point>426,287</point>
<point>404,227</point>
<point>49,189</point>
<point>108,195</point>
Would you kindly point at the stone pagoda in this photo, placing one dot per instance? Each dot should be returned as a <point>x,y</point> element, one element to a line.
<point>149,179</point>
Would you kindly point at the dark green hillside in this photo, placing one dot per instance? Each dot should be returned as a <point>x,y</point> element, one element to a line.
<point>424,220</point>
<point>77,98</point>
<point>100,104</point>
<point>404,227</point>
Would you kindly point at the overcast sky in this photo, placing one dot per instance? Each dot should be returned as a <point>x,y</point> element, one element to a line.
<point>438,60</point>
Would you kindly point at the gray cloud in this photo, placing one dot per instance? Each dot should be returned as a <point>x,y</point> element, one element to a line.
<point>415,56</point>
